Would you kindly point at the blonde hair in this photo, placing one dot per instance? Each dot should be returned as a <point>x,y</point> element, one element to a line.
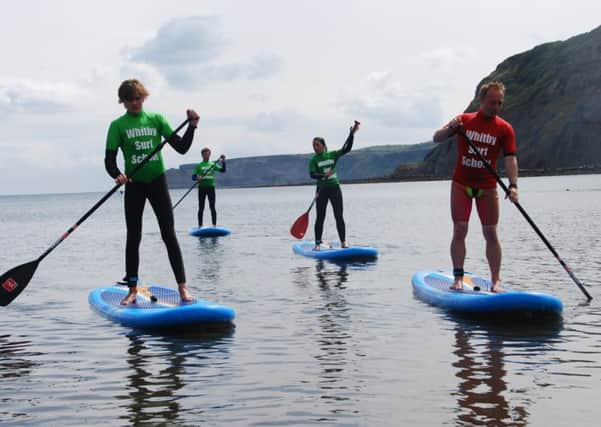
<point>130,89</point>
<point>490,85</point>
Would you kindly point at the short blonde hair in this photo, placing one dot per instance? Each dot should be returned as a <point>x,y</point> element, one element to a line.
<point>490,85</point>
<point>130,89</point>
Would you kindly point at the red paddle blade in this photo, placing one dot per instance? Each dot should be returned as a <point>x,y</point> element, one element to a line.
<point>299,228</point>
<point>14,281</point>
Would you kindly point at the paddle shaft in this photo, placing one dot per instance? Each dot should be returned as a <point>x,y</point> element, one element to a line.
<point>526,216</point>
<point>312,202</point>
<point>109,194</point>
<point>195,184</point>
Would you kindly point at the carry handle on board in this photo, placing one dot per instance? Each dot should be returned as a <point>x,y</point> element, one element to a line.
<point>523,212</point>
<point>15,280</point>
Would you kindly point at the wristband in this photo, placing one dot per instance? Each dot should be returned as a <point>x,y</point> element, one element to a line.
<point>513,186</point>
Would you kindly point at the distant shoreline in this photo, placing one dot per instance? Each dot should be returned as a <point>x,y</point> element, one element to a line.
<point>523,173</point>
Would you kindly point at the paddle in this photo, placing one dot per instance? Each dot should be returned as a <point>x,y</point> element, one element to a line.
<point>299,228</point>
<point>15,280</point>
<point>523,212</point>
<point>195,184</point>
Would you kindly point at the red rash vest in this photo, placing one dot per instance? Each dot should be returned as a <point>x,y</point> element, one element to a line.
<point>490,136</point>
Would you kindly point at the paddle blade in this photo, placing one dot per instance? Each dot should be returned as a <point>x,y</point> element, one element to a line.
<point>299,228</point>
<point>14,281</point>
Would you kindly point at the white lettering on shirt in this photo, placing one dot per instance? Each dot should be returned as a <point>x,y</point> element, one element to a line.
<point>481,137</point>
<point>136,132</point>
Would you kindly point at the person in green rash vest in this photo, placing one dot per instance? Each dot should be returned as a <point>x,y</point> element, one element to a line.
<point>204,173</point>
<point>137,133</point>
<point>322,168</point>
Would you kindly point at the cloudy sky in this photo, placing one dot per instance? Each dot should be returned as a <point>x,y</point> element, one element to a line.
<point>265,75</point>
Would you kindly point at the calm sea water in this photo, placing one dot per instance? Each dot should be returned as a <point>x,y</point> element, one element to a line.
<point>315,343</point>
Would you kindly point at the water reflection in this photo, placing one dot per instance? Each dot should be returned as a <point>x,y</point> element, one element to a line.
<point>210,255</point>
<point>207,244</point>
<point>159,367</point>
<point>483,395</point>
<point>14,357</point>
<point>333,341</point>
<point>15,372</point>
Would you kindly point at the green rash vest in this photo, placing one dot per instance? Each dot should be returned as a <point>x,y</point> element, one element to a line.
<point>137,135</point>
<point>326,161</point>
<point>207,171</point>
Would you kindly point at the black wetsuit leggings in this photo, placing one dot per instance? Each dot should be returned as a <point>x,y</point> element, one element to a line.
<point>204,192</point>
<point>157,194</point>
<point>334,195</point>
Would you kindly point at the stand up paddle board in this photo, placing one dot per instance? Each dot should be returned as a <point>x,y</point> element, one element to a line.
<point>334,252</point>
<point>157,307</point>
<point>209,232</point>
<point>476,299</point>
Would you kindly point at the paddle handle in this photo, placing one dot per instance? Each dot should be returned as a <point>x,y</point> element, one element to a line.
<point>524,213</point>
<point>109,194</point>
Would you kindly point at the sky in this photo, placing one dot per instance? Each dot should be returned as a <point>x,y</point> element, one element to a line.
<point>266,76</point>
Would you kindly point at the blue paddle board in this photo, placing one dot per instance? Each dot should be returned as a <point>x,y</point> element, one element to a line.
<point>168,311</point>
<point>334,252</point>
<point>209,232</point>
<point>476,299</point>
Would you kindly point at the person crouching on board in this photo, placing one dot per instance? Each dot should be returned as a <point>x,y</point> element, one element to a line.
<point>137,133</point>
<point>472,181</point>
<point>322,168</point>
<point>204,173</point>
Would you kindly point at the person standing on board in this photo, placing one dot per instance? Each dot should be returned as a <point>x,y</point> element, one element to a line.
<point>471,180</point>
<point>322,168</point>
<point>204,173</point>
<point>137,133</point>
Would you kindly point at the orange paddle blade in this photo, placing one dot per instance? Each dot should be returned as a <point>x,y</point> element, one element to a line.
<point>299,228</point>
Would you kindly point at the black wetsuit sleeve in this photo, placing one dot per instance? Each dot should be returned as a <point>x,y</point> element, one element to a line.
<point>110,163</point>
<point>222,166</point>
<point>182,144</point>
<point>348,144</point>
<point>313,171</point>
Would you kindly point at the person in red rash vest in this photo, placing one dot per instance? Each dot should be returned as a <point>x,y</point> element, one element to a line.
<point>472,181</point>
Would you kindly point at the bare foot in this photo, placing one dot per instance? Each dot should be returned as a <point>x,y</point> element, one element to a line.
<point>457,285</point>
<point>344,244</point>
<point>130,298</point>
<point>316,247</point>
<point>183,293</point>
<point>496,287</point>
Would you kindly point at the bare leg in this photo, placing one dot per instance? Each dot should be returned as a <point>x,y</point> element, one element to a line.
<point>183,292</point>
<point>131,296</point>
<point>488,210</point>
<point>493,255</point>
<point>458,250</point>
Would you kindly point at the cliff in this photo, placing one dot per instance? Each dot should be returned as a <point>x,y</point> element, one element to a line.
<point>553,101</point>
